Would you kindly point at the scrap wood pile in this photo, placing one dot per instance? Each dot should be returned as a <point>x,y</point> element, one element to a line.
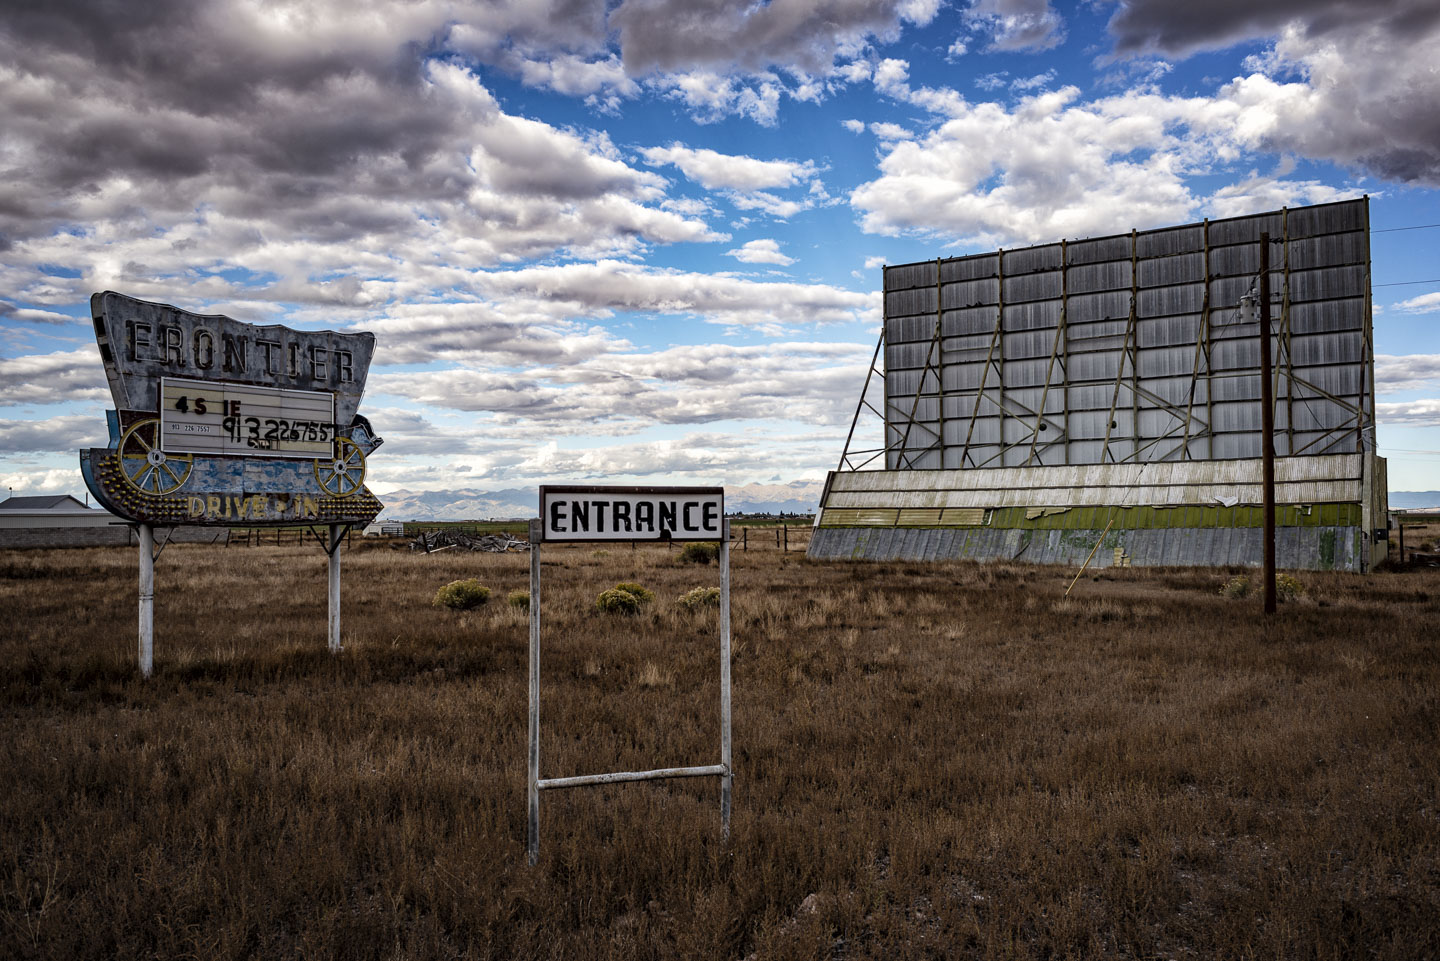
<point>443,540</point>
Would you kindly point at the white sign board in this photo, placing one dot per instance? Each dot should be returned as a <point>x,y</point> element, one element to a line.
<point>199,417</point>
<point>632,513</point>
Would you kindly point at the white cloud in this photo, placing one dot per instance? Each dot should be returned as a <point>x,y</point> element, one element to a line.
<point>65,480</point>
<point>1406,372</point>
<point>1409,413</point>
<point>675,36</point>
<point>628,392</point>
<point>1424,304</point>
<point>52,378</point>
<point>765,251</point>
<point>1017,24</point>
<point>1363,100</point>
<point>854,126</point>
<point>32,316</point>
<point>1046,168</point>
<point>1271,193</point>
<point>716,171</point>
<point>714,298</point>
<point>65,432</point>
<point>712,97</point>
<point>891,131</point>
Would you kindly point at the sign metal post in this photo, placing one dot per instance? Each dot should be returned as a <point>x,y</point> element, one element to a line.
<point>627,513</point>
<point>147,599</point>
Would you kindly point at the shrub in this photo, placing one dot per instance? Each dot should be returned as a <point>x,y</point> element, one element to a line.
<point>700,597</point>
<point>642,594</point>
<point>518,599</point>
<point>1288,588</point>
<point>616,601</point>
<point>1237,586</point>
<point>462,595</point>
<point>699,552</point>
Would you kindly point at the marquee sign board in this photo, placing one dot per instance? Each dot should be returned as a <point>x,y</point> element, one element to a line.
<point>632,513</point>
<point>222,423</point>
<point>198,418</point>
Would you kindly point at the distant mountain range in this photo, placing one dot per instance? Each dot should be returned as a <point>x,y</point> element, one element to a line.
<point>1409,500</point>
<point>797,497</point>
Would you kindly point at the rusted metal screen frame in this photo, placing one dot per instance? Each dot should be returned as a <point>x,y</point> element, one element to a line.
<point>724,770</point>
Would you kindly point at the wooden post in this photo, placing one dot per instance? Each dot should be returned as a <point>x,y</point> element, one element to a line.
<point>147,599</point>
<point>785,529</point>
<point>1402,543</point>
<point>1267,424</point>
<point>745,539</point>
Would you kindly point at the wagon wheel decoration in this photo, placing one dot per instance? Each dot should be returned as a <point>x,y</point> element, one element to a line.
<point>145,466</point>
<point>342,476</point>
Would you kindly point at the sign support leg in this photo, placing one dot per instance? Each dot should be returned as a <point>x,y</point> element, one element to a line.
<point>532,834</point>
<point>337,533</point>
<point>147,599</point>
<point>727,779</point>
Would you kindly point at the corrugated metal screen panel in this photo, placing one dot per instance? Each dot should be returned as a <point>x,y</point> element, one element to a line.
<point>968,268</point>
<point>1171,240</point>
<point>970,293</point>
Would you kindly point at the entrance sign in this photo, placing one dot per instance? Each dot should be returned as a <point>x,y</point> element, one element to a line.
<point>218,422</point>
<point>626,513</point>
<point>632,513</point>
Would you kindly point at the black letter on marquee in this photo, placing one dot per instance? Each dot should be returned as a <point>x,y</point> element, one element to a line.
<point>600,515</point>
<point>622,515</point>
<point>136,339</point>
<point>689,506</point>
<point>645,516</point>
<point>579,517</point>
<point>557,516</point>
<point>234,355</point>
<point>667,515</point>
<point>711,522</point>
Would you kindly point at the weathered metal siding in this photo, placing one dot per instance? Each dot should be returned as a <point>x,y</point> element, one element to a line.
<point>1296,548</point>
<point>1132,348</point>
<point>1334,478</point>
<point>1166,513</point>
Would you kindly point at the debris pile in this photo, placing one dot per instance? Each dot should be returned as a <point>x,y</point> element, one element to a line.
<point>444,540</point>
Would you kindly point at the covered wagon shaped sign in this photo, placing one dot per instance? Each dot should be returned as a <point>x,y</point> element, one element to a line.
<point>220,423</point>
<point>223,423</point>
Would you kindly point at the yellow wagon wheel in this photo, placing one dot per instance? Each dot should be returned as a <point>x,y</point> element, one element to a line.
<point>342,476</point>
<point>145,466</point>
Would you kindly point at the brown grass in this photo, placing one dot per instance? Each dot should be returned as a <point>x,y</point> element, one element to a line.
<point>931,761</point>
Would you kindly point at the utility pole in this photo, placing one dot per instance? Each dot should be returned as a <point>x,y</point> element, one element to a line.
<point>1267,424</point>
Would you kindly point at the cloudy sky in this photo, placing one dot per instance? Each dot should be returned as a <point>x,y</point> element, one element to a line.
<point>641,240</point>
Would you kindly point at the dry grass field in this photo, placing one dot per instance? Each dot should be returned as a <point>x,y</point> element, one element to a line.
<point>947,761</point>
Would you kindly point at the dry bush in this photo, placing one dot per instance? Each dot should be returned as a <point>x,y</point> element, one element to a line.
<point>1237,586</point>
<point>931,761</point>
<point>617,601</point>
<point>698,597</point>
<point>520,600</point>
<point>642,594</point>
<point>462,595</point>
<point>699,552</point>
